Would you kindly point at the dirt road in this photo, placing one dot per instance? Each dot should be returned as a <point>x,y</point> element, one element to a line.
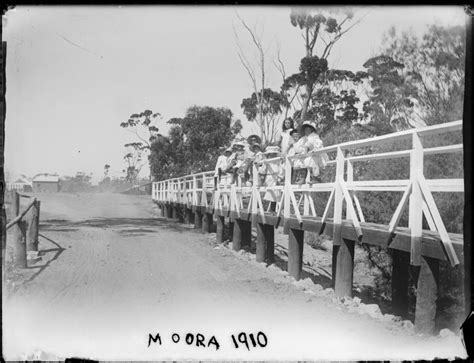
<point>112,273</point>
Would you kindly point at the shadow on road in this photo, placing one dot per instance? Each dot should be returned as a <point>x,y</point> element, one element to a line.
<point>142,225</point>
<point>57,252</point>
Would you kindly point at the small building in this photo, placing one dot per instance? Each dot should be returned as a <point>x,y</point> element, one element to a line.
<point>46,184</point>
<point>20,185</point>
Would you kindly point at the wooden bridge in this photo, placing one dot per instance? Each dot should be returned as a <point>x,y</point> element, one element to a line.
<point>198,198</point>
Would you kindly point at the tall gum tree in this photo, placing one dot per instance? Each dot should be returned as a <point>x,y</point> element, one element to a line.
<point>320,29</point>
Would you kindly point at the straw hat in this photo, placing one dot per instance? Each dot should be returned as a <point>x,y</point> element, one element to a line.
<point>259,140</point>
<point>272,150</point>
<point>309,123</point>
<point>238,144</point>
<point>293,131</point>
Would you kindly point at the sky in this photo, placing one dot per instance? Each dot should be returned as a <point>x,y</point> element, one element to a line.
<point>75,73</point>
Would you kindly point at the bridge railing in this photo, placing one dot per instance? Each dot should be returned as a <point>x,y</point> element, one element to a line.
<point>295,200</point>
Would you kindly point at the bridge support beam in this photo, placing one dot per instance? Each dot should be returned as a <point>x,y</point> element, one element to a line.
<point>295,252</point>
<point>242,234</point>
<point>400,277</point>
<point>427,296</point>
<point>265,243</point>
<point>219,229</point>
<point>344,271</point>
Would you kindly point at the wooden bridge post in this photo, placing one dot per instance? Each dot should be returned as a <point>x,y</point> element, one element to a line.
<point>187,215</point>
<point>19,238</point>
<point>344,271</point>
<point>33,227</point>
<point>427,296</point>
<point>197,219</point>
<point>269,244</point>
<point>220,229</point>
<point>162,210</point>
<point>400,277</point>
<point>169,211</point>
<point>260,253</point>
<point>295,252</point>
<point>242,234</point>
<point>231,230</point>
<point>206,222</point>
<point>265,243</point>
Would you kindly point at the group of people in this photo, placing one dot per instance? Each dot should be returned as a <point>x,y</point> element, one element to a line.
<point>236,161</point>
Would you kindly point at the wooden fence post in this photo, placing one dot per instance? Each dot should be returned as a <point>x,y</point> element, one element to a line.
<point>344,268</point>
<point>427,296</point>
<point>19,238</point>
<point>15,204</point>
<point>220,229</point>
<point>295,252</point>
<point>400,277</point>
<point>33,228</point>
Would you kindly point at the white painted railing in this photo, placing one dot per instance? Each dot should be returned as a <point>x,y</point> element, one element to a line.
<point>199,190</point>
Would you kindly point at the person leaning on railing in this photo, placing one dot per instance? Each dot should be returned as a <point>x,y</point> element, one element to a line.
<point>245,169</point>
<point>258,157</point>
<point>221,165</point>
<point>236,160</point>
<point>293,148</point>
<point>312,142</point>
<point>298,172</point>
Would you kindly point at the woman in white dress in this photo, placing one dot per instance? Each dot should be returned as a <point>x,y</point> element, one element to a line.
<point>286,140</point>
<point>272,171</point>
<point>313,163</point>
